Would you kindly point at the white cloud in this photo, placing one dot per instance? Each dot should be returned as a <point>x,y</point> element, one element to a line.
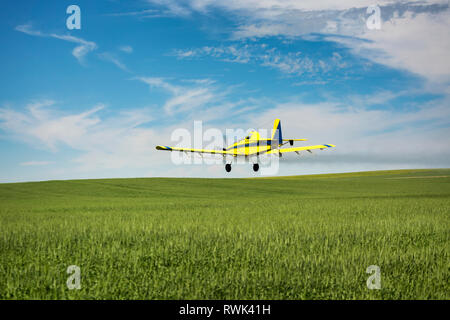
<point>271,9</point>
<point>313,82</point>
<point>290,63</point>
<point>113,59</point>
<point>417,43</point>
<point>413,35</point>
<point>365,138</point>
<point>197,95</point>
<point>124,141</point>
<point>141,13</point>
<point>231,53</point>
<point>126,49</point>
<point>36,163</point>
<point>189,100</point>
<point>40,122</point>
<point>172,8</point>
<point>103,143</point>
<point>83,47</point>
<point>27,28</point>
<point>159,82</point>
<point>79,51</point>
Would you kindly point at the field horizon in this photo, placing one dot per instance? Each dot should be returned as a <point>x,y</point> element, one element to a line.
<point>291,237</point>
<point>332,174</point>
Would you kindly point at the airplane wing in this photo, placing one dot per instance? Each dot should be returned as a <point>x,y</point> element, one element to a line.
<point>165,148</point>
<point>297,149</point>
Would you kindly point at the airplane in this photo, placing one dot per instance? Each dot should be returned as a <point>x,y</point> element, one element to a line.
<point>254,145</point>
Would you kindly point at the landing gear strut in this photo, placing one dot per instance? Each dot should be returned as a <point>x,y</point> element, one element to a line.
<point>228,167</point>
<point>255,167</point>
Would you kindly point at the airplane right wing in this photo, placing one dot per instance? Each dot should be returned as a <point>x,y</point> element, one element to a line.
<point>296,149</point>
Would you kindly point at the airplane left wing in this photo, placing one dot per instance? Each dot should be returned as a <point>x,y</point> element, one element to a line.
<point>164,148</point>
<point>296,149</point>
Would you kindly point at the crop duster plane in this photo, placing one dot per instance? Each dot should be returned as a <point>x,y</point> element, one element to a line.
<point>253,146</point>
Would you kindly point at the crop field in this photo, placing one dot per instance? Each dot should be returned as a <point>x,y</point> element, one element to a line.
<point>303,237</point>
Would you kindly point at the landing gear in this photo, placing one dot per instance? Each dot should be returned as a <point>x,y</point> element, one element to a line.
<point>228,167</point>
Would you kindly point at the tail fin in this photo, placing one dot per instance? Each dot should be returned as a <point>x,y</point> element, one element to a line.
<point>276,131</point>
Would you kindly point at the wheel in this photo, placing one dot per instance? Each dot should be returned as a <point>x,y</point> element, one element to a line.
<point>228,167</point>
<point>255,167</point>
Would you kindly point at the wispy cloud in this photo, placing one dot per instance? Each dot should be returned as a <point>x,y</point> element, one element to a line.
<point>112,142</point>
<point>195,94</point>
<point>126,49</point>
<point>36,163</point>
<point>310,82</point>
<point>27,28</point>
<point>166,9</point>
<point>232,53</point>
<point>407,28</point>
<point>79,52</point>
<point>107,56</point>
<point>290,63</point>
<point>41,123</point>
<point>172,8</point>
<point>82,49</point>
<point>294,18</point>
<point>402,40</point>
<point>139,13</point>
<point>273,8</point>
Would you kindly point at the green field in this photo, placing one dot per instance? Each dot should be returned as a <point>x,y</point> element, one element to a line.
<point>306,237</point>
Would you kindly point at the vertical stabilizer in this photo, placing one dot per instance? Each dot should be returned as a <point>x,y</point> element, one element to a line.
<point>276,131</point>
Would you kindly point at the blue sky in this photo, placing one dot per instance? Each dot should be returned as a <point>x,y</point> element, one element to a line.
<point>94,102</point>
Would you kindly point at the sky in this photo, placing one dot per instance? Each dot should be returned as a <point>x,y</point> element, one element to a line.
<point>94,102</point>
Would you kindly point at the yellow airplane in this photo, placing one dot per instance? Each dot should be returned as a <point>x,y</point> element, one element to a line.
<point>254,145</point>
